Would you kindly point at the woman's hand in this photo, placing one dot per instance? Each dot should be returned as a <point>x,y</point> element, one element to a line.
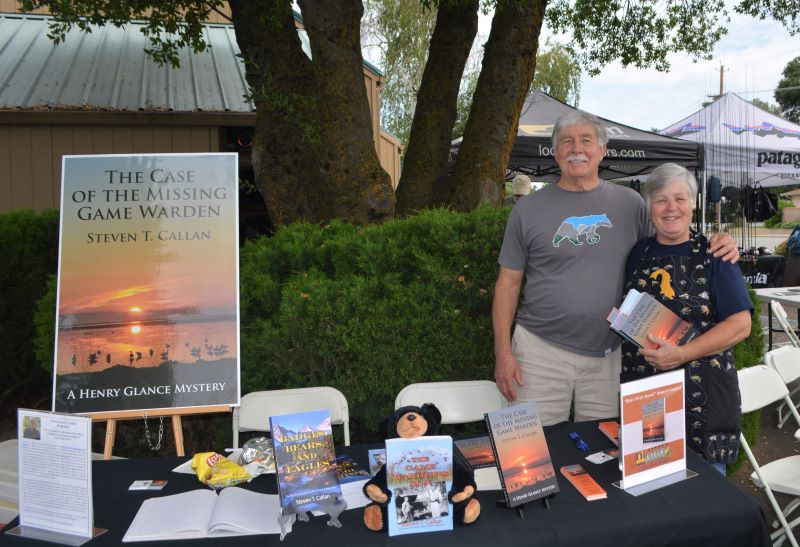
<point>666,356</point>
<point>725,334</point>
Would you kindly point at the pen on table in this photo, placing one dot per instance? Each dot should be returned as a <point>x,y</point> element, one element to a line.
<point>580,443</point>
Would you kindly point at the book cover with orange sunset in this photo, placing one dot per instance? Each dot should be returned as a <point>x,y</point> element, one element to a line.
<point>517,437</point>
<point>148,298</point>
<point>640,314</point>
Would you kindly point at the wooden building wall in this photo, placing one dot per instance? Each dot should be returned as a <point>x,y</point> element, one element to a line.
<point>30,154</point>
<point>390,152</point>
<point>31,148</point>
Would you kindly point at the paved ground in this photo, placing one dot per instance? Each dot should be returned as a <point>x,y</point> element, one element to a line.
<point>759,236</point>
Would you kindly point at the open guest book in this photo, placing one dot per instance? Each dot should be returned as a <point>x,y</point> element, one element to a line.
<point>203,513</point>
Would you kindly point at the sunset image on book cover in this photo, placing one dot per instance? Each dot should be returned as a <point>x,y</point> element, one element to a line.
<point>526,470</point>
<point>641,315</point>
<point>305,461</point>
<point>653,421</point>
<point>147,311</point>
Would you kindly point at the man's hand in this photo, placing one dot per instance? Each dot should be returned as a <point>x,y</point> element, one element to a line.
<point>723,246</point>
<point>506,372</point>
<point>666,357</point>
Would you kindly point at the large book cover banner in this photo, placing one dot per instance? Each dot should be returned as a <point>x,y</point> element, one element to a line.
<point>305,461</point>
<point>526,470</point>
<point>419,474</point>
<point>653,428</point>
<point>148,283</point>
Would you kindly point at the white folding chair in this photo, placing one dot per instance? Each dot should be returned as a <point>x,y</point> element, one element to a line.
<point>783,320</point>
<point>761,386</point>
<point>256,408</point>
<point>786,361</point>
<point>459,402</point>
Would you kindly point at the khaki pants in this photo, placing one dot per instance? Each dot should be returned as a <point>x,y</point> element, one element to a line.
<point>552,375</point>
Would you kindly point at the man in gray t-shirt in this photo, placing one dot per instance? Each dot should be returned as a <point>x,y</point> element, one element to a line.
<point>572,247</point>
<point>570,241</point>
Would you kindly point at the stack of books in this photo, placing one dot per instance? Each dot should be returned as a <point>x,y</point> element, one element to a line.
<point>640,314</point>
<point>611,430</point>
<point>352,478</point>
<point>479,455</point>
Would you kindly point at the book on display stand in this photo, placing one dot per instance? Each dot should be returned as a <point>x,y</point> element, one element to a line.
<point>523,459</point>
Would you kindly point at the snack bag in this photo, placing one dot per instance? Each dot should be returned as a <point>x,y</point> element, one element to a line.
<point>217,471</point>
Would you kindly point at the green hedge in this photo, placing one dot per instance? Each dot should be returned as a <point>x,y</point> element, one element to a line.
<point>29,242</point>
<point>776,220</point>
<point>370,310</point>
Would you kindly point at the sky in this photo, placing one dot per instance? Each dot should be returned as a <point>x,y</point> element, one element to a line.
<point>754,54</point>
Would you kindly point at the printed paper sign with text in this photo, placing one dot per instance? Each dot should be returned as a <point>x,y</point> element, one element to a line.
<point>653,437</point>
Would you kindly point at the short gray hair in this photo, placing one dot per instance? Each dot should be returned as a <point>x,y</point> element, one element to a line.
<point>579,117</point>
<point>665,174</point>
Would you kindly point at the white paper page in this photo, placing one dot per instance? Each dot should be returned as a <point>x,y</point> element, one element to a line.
<point>630,302</point>
<point>180,516</point>
<point>55,473</point>
<point>241,511</point>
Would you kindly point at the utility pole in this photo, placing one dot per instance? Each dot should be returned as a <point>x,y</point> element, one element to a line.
<point>722,72</point>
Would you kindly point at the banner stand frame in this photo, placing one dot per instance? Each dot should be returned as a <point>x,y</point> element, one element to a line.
<point>655,484</point>
<point>111,419</point>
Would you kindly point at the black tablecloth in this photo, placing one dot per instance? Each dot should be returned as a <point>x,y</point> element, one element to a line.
<point>704,511</point>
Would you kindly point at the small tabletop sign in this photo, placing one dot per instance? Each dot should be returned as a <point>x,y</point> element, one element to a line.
<point>55,477</point>
<point>653,436</point>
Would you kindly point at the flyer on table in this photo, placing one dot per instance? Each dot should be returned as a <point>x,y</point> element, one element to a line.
<point>148,297</point>
<point>55,474</point>
<point>653,428</point>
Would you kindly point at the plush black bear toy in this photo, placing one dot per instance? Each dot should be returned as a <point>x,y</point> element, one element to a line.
<point>410,422</point>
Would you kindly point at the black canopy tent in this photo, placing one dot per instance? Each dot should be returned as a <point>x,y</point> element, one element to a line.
<point>631,151</point>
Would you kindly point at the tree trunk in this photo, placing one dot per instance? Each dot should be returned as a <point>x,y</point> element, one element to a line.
<point>509,63</point>
<point>435,113</point>
<point>353,183</point>
<point>285,150</point>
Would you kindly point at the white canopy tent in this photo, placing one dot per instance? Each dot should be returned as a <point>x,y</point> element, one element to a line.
<point>743,144</point>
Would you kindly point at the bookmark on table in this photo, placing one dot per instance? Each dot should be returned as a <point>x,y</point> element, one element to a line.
<point>585,484</point>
